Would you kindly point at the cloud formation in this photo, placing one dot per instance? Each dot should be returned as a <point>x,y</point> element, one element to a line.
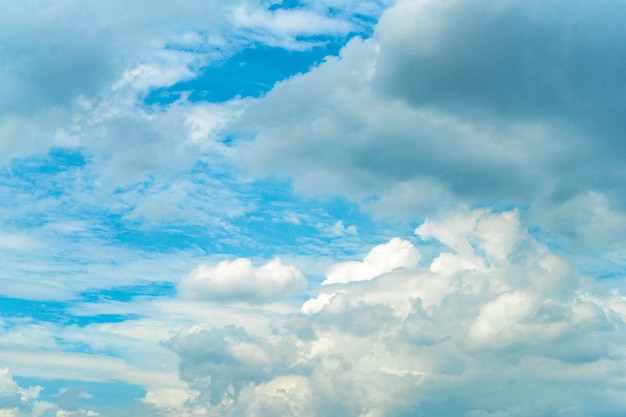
<point>239,280</point>
<point>16,401</point>
<point>396,253</point>
<point>458,103</point>
<point>496,126</point>
<point>511,331</point>
<point>75,75</point>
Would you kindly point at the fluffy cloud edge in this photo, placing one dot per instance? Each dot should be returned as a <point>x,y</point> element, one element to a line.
<point>240,280</point>
<point>405,339</point>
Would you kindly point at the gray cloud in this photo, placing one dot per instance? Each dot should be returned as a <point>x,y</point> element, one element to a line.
<point>518,60</point>
<point>219,363</point>
<point>458,103</point>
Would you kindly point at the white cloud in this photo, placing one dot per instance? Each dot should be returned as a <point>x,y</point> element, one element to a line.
<point>523,322</point>
<point>476,342</point>
<point>493,235</point>
<point>317,304</point>
<point>397,253</point>
<point>284,27</point>
<point>239,280</point>
<point>16,401</point>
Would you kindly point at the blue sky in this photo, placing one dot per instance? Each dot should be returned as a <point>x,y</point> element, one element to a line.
<point>312,208</point>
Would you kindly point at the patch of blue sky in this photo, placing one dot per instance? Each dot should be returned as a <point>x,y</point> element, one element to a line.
<point>600,266</point>
<point>275,220</point>
<point>285,4</point>
<point>70,394</point>
<point>39,311</point>
<point>57,312</point>
<point>127,293</point>
<point>83,321</point>
<point>551,241</point>
<point>157,238</point>
<point>43,188</point>
<point>57,159</point>
<point>73,346</point>
<point>284,220</point>
<point>44,175</point>
<point>618,273</point>
<point>370,19</point>
<point>254,70</point>
<point>250,73</point>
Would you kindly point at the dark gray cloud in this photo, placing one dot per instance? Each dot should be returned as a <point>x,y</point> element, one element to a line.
<point>523,60</point>
<point>550,63</point>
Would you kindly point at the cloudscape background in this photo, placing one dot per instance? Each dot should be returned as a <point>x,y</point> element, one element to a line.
<point>313,208</point>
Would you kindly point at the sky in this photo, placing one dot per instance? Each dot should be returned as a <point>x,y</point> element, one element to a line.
<point>375,208</point>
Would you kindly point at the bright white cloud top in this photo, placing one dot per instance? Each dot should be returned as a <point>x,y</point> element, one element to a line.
<point>240,280</point>
<point>313,208</point>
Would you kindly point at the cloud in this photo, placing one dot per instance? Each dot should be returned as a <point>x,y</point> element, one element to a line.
<point>543,65</point>
<point>475,342</point>
<point>513,322</point>
<point>239,280</point>
<point>283,27</point>
<point>397,253</point>
<point>223,361</point>
<point>64,262</point>
<point>77,413</point>
<point>494,235</point>
<point>16,401</point>
<point>480,103</point>
<point>76,76</point>
<point>83,58</point>
<point>449,105</point>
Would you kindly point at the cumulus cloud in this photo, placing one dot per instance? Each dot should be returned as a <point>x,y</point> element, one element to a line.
<point>239,280</point>
<point>16,401</point>
<point>396,253</point>
<point>473,342</point>
<point>494,236</point>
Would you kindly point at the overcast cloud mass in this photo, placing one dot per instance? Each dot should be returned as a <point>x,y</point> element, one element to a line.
<point>313,208</point>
